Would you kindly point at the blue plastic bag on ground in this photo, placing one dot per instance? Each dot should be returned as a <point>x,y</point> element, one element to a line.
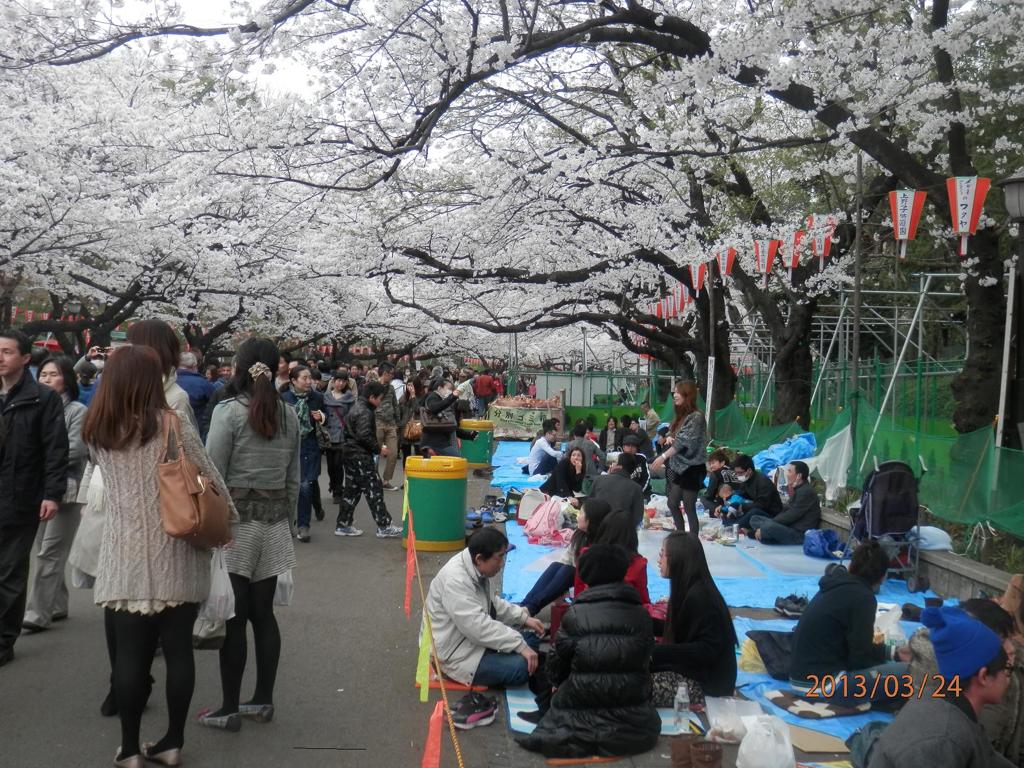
<point>822,543</point>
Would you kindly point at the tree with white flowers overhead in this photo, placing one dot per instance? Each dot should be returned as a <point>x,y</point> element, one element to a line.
<point>438,84</point>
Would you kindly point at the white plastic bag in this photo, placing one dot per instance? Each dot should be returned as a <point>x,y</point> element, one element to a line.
<point>726,716</point>
<point>219,605</point>
<point>766,744</point>
<point>285,589</point>
<point>887,624</point>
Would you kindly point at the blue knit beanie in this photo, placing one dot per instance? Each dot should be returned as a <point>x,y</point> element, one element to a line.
<point>963,645</point>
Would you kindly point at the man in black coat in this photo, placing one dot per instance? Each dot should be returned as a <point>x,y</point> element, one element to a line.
<point>33,475</point>
<point>361,476</point>
<point>619,491</point>
<point>599,669</point>
<point>763,496</point>
<point>836,633</point>
<point>801,514</point>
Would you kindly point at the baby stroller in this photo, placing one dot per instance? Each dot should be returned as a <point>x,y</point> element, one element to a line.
<point>888,512</point>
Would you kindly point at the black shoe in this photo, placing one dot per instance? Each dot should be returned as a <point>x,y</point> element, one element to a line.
<point>31,628</point>
<point>6,655</point>
<point>532,717</point>
<point>318,511</point>
<point>791,606</point>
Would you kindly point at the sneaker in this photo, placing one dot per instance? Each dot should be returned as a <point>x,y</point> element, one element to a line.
<point>347,530</point>
<point>391,532</point>
<point>390,487</point>
<point>473,711</point>
<point>473,515</point>
<point>487,517</point>
<point>792,607</point>
<point>303,535</point>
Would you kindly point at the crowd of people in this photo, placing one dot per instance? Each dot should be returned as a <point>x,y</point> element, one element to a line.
<point>81,452</point>
<point>83,449</point>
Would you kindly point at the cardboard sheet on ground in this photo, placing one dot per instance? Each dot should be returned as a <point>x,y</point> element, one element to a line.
<point>521,700</point>
<point>813,742</point>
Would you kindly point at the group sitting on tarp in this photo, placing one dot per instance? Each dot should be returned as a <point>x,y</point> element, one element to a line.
<point>595,691</point>
<point>957,683</point>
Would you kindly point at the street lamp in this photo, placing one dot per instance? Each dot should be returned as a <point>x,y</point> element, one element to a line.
<point>1013,194</point>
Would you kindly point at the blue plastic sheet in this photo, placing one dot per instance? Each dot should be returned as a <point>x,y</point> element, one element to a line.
<point>799,446</point>
<point>507,451</point>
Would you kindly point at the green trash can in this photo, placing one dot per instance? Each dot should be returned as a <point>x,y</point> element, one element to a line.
<point>478,452</point>
<point>437,498</point>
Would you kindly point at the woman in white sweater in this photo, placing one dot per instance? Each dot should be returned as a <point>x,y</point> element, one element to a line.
<point>149,583</point>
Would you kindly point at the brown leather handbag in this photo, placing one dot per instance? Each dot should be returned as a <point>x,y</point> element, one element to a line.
<point>192,508</point>
<point>413,431</point>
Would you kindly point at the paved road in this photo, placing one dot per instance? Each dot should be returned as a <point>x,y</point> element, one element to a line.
<point>344,696</point>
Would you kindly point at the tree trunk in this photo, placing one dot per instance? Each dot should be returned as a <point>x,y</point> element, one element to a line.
<point>976,387</point>
<point>794,367</point>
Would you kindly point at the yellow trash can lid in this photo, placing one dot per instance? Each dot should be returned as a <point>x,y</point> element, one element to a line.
<point>480,425</point>
<point>437,467</point>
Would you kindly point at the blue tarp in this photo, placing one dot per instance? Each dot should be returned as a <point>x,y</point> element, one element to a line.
<point>799,446</point>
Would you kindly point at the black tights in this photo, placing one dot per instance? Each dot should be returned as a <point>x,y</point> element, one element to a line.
<point>689,500</point>
<point>135,636</point>
<point>254,603</point>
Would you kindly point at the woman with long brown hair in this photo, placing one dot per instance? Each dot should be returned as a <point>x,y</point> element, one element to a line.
<point>149,583</point>
<point>686,456</point>
<point>254,441</point>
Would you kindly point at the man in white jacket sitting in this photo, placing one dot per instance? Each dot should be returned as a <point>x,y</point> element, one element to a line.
<point>475,631</point>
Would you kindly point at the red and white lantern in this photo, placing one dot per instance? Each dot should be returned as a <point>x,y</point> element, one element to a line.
<point>765,252</point>
<point>697,275</point>
<point>906,206</point>
<point>791,251</point>
<point>725,260</point>
<point>966,199</point>
<point>821,227</point>
<point>682,296</point>
<point>29,314</point>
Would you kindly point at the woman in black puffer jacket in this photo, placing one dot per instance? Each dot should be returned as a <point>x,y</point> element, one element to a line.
<point>599,668</point>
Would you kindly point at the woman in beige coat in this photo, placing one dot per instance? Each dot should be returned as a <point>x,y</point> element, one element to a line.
<point>149,584</point>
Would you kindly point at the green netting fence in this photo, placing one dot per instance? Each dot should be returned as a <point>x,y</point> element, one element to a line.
<point>966,480</point>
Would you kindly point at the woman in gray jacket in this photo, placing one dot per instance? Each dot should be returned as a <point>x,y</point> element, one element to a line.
<point>49,601</point>
<point>254,442</point>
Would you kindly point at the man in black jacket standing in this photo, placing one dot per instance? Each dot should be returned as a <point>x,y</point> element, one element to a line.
<point>619,490</point>
<point>801,514</point>
<point>361,476</point>
<point>33,475</point>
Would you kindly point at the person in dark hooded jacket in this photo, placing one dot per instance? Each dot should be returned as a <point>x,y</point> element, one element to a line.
<point>599,669</point>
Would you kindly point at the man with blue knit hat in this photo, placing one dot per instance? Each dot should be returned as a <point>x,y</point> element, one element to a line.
<point>944,732</point>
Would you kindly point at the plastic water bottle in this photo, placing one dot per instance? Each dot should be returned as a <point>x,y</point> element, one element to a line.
<point>700,508</point>
<point>682,707</point>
